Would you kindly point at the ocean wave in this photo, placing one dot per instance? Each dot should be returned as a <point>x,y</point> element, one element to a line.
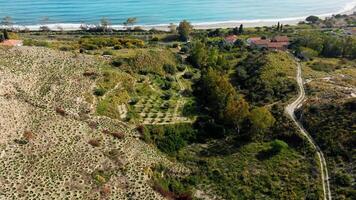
<point>348,8</point>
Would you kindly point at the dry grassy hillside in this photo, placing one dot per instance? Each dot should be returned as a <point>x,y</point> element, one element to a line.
<point>51,144</point>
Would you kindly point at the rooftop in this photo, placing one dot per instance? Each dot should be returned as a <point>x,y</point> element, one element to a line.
<point>12,43</point>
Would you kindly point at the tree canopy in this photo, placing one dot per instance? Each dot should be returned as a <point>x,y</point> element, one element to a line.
<point>261,118</point>
<point>312,19</point>
<point>184,30</point>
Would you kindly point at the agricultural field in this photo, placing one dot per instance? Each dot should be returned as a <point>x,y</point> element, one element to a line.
<point>54,145</point>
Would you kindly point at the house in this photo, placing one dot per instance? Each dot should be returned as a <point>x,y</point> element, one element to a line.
<point>350,31</point>
<point>231,39</point>
<point>276,43</point>
<point>12,43</point>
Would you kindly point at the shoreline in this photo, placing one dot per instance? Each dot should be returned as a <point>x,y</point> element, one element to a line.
<point>349,9</point>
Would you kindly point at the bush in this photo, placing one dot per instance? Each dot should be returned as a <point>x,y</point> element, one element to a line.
<point>169,68</point>
<point>154,39</point>
<point>188,75</point>
<point>107,53</point>
<point>118,46</point>
<point>117,62</point>
<point>166,85</point>
<point>171,144</point>
<point>278,146</point>
<point>322,66</point>
<point>31,42</point>
<point>166,96</point>
<point>99,91</point>
<point>89,47</point>
<point>65,48</point>
<point>343,179</point>
<point>181,68</point>
<point>60,111</point>
<point>94,142</point>
<point>118,135</point>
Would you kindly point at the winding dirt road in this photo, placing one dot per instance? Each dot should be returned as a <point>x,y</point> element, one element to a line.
<point>290,109</point>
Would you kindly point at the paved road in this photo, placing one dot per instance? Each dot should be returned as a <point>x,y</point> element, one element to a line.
<point>290,109</point>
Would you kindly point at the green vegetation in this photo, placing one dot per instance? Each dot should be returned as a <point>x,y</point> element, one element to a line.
<point>324,44</point>
<point>267,77</point>
<point>170,138</point>
<point>312,19</point>
<point>169,186</point>
<point>335,135</point>
<point>251,173</point>
<point>214,110</point>
<point>184,30</point>
<point>149,61</point>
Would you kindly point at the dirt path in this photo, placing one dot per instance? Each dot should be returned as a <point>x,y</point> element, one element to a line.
<point>290,109</point>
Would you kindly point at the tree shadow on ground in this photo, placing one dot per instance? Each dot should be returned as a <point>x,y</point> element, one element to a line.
<point>266,154</point>
<point>223,147</point>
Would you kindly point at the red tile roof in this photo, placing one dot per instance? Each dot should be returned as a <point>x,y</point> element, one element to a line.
<point>231,38</point>
<point>280,39</point>
<point>278,42</point>
<point>12,43</point>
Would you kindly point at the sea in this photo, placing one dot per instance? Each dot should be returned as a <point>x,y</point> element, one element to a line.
<point>162,12</point>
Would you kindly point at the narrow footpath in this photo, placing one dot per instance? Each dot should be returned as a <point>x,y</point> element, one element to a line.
<point>290,109</point>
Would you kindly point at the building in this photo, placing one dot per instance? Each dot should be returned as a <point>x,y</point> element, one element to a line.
<point>276,43</point>
<point>12,43</point>
<point>350,31</point>
<point>231,39</point>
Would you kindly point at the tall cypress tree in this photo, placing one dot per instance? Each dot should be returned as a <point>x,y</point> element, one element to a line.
<point>2,38</point>
<point>241,29</point>
<point>278,26</point>
<point>6,34</point>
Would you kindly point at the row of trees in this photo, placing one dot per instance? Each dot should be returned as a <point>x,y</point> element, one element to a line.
<point>203,56</point>
<point>326,45</point>
<point>4,35</point>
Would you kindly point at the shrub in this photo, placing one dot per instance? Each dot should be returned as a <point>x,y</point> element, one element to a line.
<point>181,68</point>
<point>107,53</point>
<point>278,146</point>
<point>169,68</point>
<point>188,75</point>
<point>166,96</point>
<point>89,47</point>
<point>170,78</point>
<point>117,62</point>
<point>28,135</point>
<point>140,129</point>
<point>154,39</point>
<point>323,66</point>
<point>99,91</point>
<point>65,48</point>
<point>94,142</point>
<point>21,141</point>
<point>171,144</point>
<point>118,46</point>
<point>105,190</point>
<point>118,135</point>
<point>101,177</point>
<point>166,85</point>
<point>90,74</point>
<point>60,111</point>
<point>343,179</point>
<point>31,42</point>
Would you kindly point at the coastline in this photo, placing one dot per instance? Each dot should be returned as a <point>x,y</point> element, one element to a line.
<point>349,9</point>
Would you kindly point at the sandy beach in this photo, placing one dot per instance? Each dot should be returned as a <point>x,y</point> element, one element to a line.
<point>205,25</point>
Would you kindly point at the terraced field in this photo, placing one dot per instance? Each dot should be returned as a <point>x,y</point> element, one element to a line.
<point>52,146</point>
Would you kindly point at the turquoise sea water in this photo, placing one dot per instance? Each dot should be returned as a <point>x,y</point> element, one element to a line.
<point>153,12</point>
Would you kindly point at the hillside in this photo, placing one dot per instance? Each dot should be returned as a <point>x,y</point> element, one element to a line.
<point>52,145</point>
